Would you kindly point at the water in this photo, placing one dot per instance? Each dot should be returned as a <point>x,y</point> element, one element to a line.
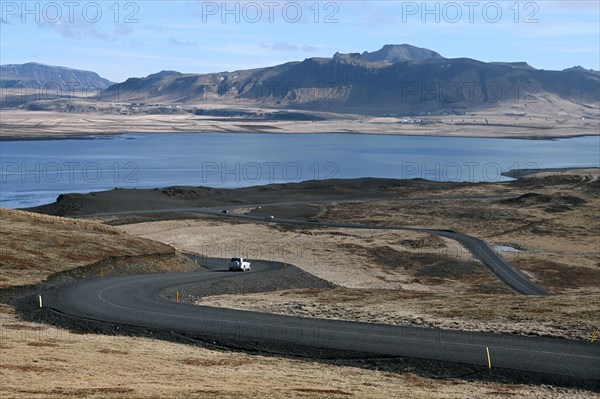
<point>36,172</point>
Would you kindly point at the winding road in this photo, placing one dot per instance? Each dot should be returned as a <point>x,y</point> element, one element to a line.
<point>143,302</point>
<point>492,260</point>
<point>140,302</point>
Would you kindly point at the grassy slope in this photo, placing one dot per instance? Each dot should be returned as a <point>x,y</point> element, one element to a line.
<point>33,246</point>
<point>41,361</point>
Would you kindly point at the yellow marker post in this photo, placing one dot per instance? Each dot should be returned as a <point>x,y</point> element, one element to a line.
<point>176,296</point>
<point>595,335</point>
<point>40,300</point>
<point>489,358</point>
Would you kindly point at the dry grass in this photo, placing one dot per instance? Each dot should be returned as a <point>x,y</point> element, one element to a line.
<point>33,246</point>
<point>372,259</point>
<point>419,279</point>
<point>544,121</point>
<point>560,316</point>
<point>40,361</point>
<point>204,362</point>
<point>333,392</point>
<point>555,225</point>
<point>96,366</point>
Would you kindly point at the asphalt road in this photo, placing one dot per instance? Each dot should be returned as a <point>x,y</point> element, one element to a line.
<point>511,276</point>
<point>141,302</point>
<point>136,301</point>
<point>492,260</point>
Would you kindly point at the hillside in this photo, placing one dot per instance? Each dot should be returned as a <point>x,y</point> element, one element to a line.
<point>39,76</point>
<point>395,79</point>
<point>399,89</point>
<point>35,247</point>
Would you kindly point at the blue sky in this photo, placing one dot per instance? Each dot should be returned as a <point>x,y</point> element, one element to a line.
<point>120,39</point>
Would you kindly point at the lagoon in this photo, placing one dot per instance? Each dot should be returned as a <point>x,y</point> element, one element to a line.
<point>35,172</point>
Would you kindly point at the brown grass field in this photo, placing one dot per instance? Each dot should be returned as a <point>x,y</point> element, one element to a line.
<point>544,120</point>
<point>402,278</point>
<point>438,284</point>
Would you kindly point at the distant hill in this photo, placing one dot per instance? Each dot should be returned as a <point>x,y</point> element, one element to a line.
<point>389,54</point>
<point>400,53</point>
<point>396,78</point>
<point>39,76</point>
<point>579,68</point>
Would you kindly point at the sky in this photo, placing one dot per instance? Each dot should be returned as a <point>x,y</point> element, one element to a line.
<point>122,39</point>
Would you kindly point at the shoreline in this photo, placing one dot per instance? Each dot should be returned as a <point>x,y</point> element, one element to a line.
<point>95,136</point>
<point>517,174</point>
<point>512,175</point>
<point>539,124</point>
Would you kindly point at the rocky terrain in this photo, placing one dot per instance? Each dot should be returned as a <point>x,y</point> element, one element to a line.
<point>395,80</point>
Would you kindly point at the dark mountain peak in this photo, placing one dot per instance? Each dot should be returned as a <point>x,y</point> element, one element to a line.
<point>349,55</point>
<point>350,58</point>
<point>317,60</point>
<point>36,75</point>
<point>514,64</point>
<point>163,74</point>
<point>374,81</point>
<point>579,68</point>
<point>30,64</point>
<point>576,68</point>
<point>33,66</point>
<point>387,55</point>
<point>395,53</point>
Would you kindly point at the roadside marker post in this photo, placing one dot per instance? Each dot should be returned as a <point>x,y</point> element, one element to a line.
<point>595,335</point>
<point>487,349</point>
<point>40,300</point>
<point>177,296</point>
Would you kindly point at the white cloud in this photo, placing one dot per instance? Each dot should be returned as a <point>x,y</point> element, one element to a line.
<point>288,47</point>
<point>80,29</point>
<point>178,42</point>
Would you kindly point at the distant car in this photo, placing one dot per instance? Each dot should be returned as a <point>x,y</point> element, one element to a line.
<point>224,211</point>
<point>239,264</point>
<point>270,217</point>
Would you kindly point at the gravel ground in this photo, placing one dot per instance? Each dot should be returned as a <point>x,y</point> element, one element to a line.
<point>290,277</point>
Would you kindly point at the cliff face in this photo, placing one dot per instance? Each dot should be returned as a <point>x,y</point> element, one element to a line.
<point>40,76</point>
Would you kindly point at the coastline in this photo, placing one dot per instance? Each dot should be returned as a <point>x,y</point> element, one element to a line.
<point>95,136</point>
<point>19,125</point>
<point>513,174</point>
<point>517,174</point>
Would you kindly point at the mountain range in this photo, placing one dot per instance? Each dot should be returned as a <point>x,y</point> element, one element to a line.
<point>40,76</point>
<point>396,78</point>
